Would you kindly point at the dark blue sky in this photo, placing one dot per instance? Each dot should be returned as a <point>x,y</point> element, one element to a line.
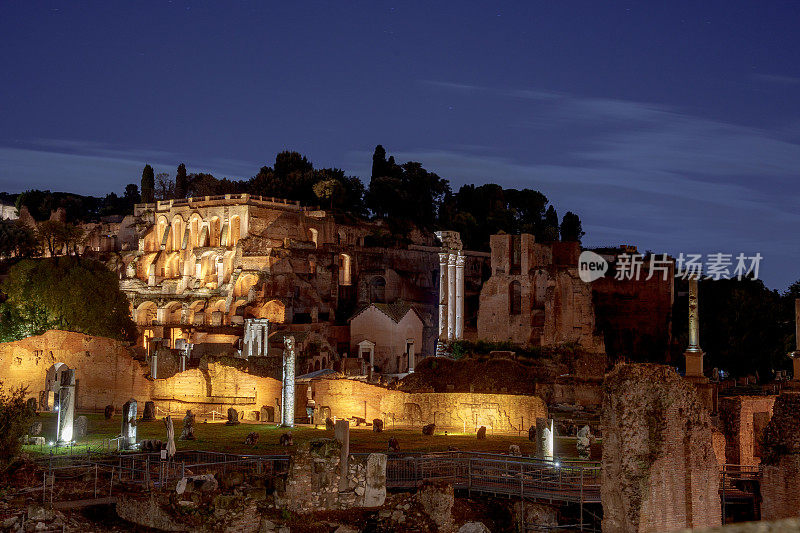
<point>675,127</point>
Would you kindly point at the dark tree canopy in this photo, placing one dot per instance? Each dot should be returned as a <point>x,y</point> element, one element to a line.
<point>571,227</point>
<point>69,293</point>
<point>148,185</point>
<point>480,211</point>
<point>181,182</point>
<point>16,239</point>
<point>745,328</point>
<point>406,195</point>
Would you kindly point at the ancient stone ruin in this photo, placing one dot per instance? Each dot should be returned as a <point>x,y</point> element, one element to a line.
<point>66,406</point>
<point>187,433</point>
<point>128,432</point>
<point>780,485</point>
<point>659,468</point>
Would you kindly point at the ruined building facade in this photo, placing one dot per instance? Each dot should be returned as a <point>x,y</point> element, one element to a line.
<point>203,266</point>
<point>534,295</point>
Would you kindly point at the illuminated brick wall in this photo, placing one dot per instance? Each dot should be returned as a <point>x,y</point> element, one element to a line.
<point>105,371</point>
<point>451,410</point>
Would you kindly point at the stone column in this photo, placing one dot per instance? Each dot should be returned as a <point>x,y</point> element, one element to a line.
<point>693,354</point>
<point>258,345</point>
<point>66,407</point>
<point>410,356</point>
<point>287,404</point>
<point>129,424</point>
<point>342,434</point>
<point>796,354</point>
<point>459,333</point>
<point>451,297</point>
<point>797,324</point>
<point>154,365</point>
<point>443,285</point>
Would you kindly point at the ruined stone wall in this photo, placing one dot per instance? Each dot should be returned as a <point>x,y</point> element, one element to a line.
<point>216,388</point>
<point>780,483</point>
<point>635,316</point>
<point>105,370</point>
<point>660,472</point>
<point>312,483</point>
<point>585,393</point>
<point>346,398</point>
<point>553,307</point>
<point>744,420</point>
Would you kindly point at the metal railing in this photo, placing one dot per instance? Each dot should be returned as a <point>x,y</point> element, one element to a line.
<point>739,484</point>
<point>524,477</point>
<point>101,470</point>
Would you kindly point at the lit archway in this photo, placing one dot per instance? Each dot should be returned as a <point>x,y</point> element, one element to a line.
<point>273,310</point>
<point>146,314</point>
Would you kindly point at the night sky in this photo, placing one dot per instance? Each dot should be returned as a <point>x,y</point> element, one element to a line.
<point>674,127</point>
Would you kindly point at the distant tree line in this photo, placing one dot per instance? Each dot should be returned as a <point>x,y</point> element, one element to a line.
<point>745,327</point>
<point>405,195</point>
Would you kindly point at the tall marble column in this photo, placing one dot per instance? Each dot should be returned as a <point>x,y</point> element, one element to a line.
<point>287,404</point>
<point>796,354</point>
<point>451,297</point>
<point>66,407</point>
<point>693,354</point>
<point>459,333</point>
<point>443,286</point>
<point>797,324</point>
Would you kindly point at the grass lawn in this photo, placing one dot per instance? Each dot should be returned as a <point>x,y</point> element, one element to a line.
<point>216,436</point>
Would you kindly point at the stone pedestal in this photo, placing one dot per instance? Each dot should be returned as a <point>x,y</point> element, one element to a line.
<point>694,363</point>
<point>796,368</point>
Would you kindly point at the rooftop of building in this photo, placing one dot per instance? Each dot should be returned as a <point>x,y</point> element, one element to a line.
<point>222,199</point>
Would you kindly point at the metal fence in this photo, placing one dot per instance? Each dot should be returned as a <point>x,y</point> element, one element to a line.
<point>740,485</point>
<point>99,473</point>
<point>529,478</point>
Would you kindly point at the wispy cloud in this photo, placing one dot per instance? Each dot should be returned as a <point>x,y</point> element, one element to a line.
<point>527,94</point>
<point>90,167</point>
<point>777,78</point>
<point>633,170</point>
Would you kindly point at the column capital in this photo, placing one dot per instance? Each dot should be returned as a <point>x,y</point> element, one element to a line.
<point>451,260</point>
<point>460,259</point>
<point>443,258</point>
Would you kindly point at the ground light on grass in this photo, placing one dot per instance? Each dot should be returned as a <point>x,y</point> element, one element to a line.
<point>216,436</point>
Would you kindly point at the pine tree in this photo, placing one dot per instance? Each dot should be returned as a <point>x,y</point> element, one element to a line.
<point>148,185</point>
<point>181,182</point>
